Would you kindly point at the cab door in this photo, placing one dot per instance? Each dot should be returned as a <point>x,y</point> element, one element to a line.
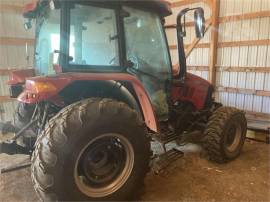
<point>147,50</point>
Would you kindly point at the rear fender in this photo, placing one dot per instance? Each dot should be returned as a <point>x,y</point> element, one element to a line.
<point>18,77</point>
<point>40,89</point>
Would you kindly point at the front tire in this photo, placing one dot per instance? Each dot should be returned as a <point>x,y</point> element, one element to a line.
<point>225,134</point>
<point>93,150</point>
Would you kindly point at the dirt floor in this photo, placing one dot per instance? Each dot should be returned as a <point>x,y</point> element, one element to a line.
<point>191,178</point>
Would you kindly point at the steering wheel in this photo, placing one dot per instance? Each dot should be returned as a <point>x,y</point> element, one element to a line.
<point>135,61</point>
<point>135,68</point>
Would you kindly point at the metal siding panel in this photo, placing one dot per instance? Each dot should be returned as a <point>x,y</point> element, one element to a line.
<point>248,102</point>
<point>265,5</point>
<point>240,98</point>
<point>218,78</point>
<point>222,11</point>
<point>264,28</point>
<point>250,80</point>
<point>232,99</point>
<point>224,98</point>
<point>11,24</point>
<point>205,75</point>
<point>259,81</point>
<point>261,56</point>
<point>266,105</point>
<point>267,82</point>
<point>205,57</point>
<point>257,104</point>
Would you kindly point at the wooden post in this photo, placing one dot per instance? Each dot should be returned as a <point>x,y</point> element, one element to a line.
<point>214,41</point>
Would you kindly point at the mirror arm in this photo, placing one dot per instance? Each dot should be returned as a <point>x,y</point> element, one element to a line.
<point>180,44</point>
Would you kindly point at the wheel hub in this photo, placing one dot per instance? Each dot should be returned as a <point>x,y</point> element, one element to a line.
<point>104,165</point>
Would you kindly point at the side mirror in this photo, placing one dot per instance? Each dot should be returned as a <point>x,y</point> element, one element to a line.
<point>199,22</point>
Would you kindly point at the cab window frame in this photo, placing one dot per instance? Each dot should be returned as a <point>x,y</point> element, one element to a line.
<point>66,66</point>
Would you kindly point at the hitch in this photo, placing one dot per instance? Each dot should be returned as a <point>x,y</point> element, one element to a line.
<point>10,146</point>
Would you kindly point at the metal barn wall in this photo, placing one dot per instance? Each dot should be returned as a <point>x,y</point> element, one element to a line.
<point>248,90</point>
<point>13,40</point>
<point>246,56</point>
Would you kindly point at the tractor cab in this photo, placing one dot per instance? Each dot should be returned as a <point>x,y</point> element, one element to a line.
<point>112,37</point>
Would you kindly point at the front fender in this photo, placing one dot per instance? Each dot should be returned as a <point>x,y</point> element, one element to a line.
<point>39,89</point>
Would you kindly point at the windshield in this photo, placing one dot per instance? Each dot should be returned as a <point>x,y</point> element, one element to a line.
<point>47,41</point>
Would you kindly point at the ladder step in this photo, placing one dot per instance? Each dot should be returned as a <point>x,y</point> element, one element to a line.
<point>165,159</point>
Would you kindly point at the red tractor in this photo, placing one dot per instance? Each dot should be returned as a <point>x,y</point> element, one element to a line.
<point>102,90</point>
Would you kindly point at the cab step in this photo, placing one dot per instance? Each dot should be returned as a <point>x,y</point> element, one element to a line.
<point>162,161</point>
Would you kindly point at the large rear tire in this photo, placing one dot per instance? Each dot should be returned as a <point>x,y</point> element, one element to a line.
<point>225,134</point>
<point>93,150</point>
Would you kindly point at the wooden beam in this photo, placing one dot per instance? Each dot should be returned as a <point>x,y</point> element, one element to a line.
<point>187,2</point>
<point>243,91</point>
<point>244,16</point>
<point>244,69</point>
<point>16,41</point>
<point>9,7</point>
<point>200,45</point>
<point>188,24</point>
<point>230,69</point>
<point>6,99</point>
<point>196,41</point>
<point>5,71</point>
<point>263,42</point>
<point>197,68</point>
<point>257,115</point>
<point>214,41</point>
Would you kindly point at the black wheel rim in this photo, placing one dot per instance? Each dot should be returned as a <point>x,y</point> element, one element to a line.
<point>104,165</point>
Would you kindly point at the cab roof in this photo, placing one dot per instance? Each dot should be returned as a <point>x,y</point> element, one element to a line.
<point>163,8</point>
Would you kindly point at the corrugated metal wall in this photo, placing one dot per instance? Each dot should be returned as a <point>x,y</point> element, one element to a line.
<point>12,56</point>
<point>242,56</point>
<point>246,56</point>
